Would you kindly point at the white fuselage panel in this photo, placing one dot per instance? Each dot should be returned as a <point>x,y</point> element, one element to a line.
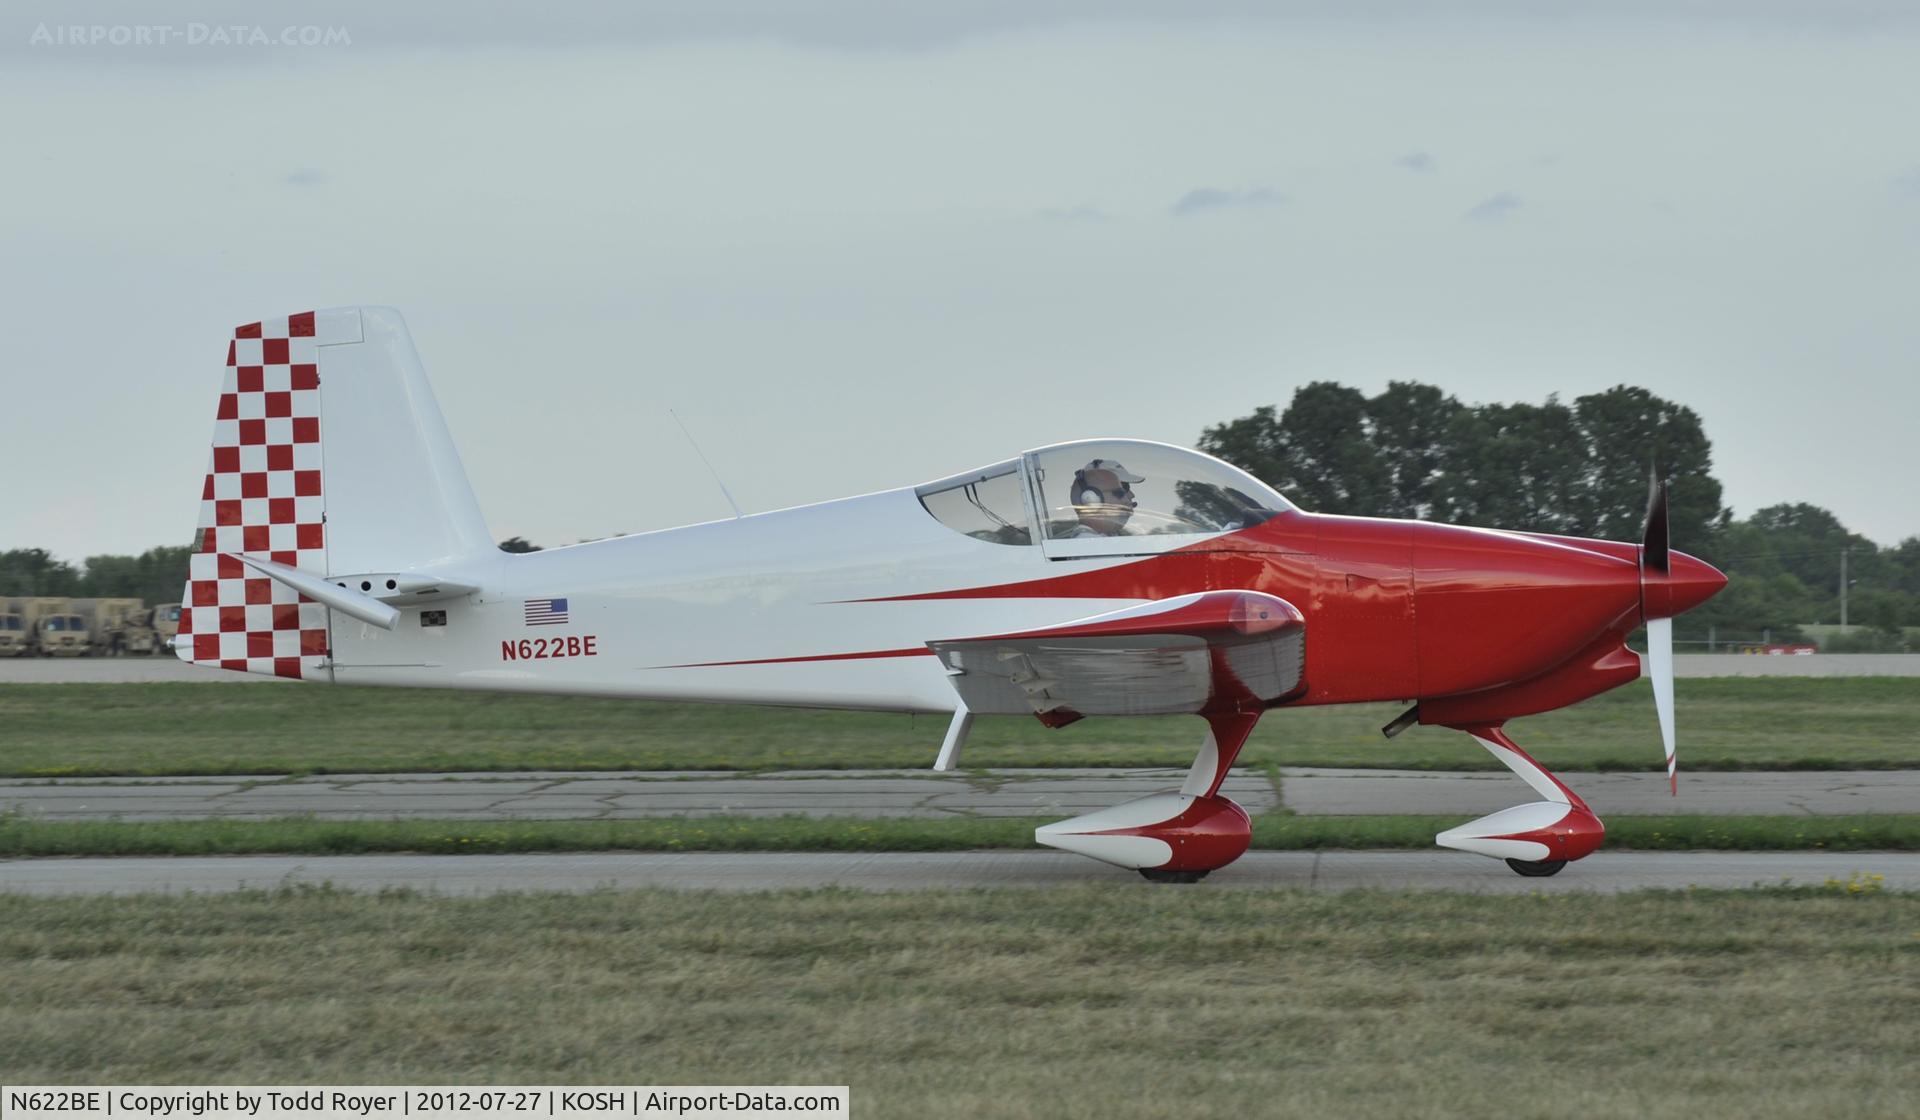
<point>775,608</point>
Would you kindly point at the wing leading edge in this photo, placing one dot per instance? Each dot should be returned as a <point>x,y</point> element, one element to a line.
<point>1213,651</point>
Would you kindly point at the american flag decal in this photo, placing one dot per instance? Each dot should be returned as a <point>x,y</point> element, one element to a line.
<point>546,612</point>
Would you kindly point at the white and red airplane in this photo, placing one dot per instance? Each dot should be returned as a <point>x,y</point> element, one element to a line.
<point>339,541</point>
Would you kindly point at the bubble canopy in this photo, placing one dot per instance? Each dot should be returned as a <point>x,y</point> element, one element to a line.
<point>1111,490</point>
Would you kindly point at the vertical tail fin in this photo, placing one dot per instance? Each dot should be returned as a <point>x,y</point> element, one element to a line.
<point>330,456</point>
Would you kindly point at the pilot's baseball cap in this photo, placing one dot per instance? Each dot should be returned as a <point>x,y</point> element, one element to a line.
<point>1113,465</point>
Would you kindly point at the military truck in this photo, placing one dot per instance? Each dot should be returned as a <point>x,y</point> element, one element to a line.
<point>56,630</point>
<point>137,636</point>
<point>14,635</point>
<point>166,626</point>
<point>115,626</point>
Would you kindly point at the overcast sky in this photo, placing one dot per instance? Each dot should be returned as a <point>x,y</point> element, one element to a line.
<point>859,245</point>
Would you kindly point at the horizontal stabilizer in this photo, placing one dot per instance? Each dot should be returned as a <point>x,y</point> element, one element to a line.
<point>405,589</point>
<point>353,604</point>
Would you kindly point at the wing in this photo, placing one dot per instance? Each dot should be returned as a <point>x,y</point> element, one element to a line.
<point>1186,654</point>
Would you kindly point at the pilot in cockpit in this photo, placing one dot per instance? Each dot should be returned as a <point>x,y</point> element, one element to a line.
<point>1102,498</point>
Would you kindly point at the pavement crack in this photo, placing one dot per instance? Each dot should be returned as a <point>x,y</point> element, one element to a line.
<point>926,804</point>
<point>985,781</point>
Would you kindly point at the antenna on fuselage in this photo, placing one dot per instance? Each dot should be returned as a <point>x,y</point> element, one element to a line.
<point>703,458</point>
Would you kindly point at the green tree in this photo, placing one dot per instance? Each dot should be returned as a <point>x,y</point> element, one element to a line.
<point>158,575</point>
<point>1625,430</point>
<point>1883,609</point>
<point>1514,466</point>
<point>1330,450</point>
<point>163,572</point>
<point>1252,443</point>
<point>34,571</point>
<point>1807,541</point>
<point>115,577</point>
<point>1412,426</point>
<point>1415,451</point>
<point>1335,451</point>
<point>1751,605</point>
<point>1903,561</point>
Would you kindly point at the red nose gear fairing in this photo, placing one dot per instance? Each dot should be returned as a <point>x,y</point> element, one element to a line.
<point>339,542</point>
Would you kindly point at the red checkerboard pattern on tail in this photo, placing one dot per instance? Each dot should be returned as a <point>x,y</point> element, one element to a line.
<point>262,498</point>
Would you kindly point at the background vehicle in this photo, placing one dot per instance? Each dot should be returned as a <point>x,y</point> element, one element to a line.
<point>116,626</point>
<point>54,626</point>
<point>56,630</point>
<point>165,620</point>
<point>13,629</point>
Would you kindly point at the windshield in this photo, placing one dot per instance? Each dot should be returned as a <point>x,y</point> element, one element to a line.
<point>1131,488</point>
<point>9,622</point>
<point>984,504</point>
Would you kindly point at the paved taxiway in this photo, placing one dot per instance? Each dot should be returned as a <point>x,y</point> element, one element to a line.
<point>1607,872</point>
<point>924,795</point>
<point>143,669</point>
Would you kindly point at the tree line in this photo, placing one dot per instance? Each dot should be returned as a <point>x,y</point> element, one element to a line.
<point>158,575</point>
<point>1578,468</point>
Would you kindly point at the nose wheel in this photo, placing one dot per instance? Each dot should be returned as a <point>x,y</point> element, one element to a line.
<point>1536,840</point>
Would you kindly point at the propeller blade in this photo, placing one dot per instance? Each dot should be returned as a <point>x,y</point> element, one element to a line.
<point>1660,668</point>
<point>1653,539</point>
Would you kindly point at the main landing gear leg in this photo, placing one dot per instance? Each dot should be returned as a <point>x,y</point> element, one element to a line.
<point>1176,836</point>
<point>962,723</point>
<point>1536,839</point>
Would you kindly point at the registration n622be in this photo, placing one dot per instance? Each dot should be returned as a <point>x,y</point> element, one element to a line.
<point>548,649</point>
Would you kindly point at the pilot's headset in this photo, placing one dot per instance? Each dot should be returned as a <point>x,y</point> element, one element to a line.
<point>1086,493</point>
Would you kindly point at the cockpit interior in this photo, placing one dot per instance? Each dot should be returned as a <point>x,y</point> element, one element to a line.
<point>1101,491</point>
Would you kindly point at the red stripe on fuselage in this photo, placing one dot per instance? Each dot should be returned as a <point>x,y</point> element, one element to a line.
<point>863,655</point>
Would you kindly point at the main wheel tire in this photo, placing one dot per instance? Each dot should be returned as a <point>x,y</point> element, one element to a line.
<point>1536,868</point>
<point>1156,875</point>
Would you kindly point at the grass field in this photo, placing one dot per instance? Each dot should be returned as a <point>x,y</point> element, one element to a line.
<point>1085,1003</point>
<point>216,728</point>
<point>1276,831</point>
